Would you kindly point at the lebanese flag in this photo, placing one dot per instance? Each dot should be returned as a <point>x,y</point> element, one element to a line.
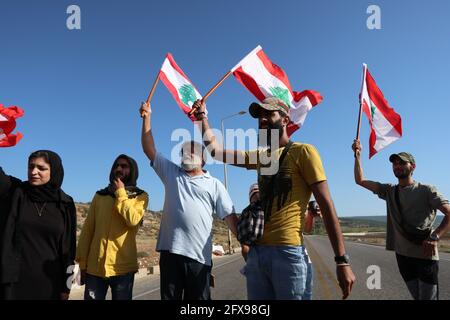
<point>385,123</point>
<point>8,118</point>
<point>265,79</point>
<point>179,85</point>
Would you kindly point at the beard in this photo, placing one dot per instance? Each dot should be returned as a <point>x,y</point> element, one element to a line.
<point>190,163</point>
<point>190,167</point>
<point>402,174</point>
<point>273,129</point>
<point>121,176</point>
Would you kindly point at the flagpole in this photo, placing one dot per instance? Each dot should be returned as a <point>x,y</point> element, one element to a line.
<point>212,90</point>
<point>153,89</point>
<point>150,95</point>
<point>359,121</point>
<point>360,102</point>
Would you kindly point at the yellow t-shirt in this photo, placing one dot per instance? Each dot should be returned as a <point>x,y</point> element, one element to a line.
<point>301,168</point>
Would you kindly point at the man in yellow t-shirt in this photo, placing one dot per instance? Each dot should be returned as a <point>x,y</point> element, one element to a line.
<point>276,264</point>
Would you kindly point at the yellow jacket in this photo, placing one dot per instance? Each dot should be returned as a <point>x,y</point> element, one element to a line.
<point>107,243</point>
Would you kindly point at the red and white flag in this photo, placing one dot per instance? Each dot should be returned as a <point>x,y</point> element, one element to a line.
<point>265,79</point>
<point>179,85</point>
<point>8,118</point>
<point>385,123</point>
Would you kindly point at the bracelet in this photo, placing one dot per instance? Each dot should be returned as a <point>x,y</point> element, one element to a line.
<point>342,264</point>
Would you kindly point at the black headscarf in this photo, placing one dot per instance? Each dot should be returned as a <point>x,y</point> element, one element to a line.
<point>51,191</point>
<point>131,181</point>
<point>10,255</point>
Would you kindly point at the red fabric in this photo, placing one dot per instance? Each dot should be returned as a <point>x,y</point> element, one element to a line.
<point>186,109</point>
<point>8,124</point>
<point>247,81</point>
<point>376,95</point>
<point>250,83</point>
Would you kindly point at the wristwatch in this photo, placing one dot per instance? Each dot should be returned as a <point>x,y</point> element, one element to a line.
<point>433,237</point>
<point>345,259</point>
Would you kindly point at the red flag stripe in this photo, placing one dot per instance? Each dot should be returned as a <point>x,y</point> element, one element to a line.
<point>378,99</point>
<point>175,95</point>
<point>314,97</point>
<point>11,140</point>
<point>291,128</point>
<point>372,141</point>
<point>247,81</point>
<point>8,126</point>
<point>178,69</point>
<point>175,66</point>
<point>273,69</point>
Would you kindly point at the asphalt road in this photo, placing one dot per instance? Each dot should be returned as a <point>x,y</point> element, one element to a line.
<point>363,258</point>
<point>230,283</point>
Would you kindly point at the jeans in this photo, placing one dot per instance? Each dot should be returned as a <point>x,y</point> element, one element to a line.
<point>276,272</point>
<point>307,295</point>
<point>121,287</point>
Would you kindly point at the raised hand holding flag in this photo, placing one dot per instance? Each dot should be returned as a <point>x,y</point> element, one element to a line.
<point>385,123</point>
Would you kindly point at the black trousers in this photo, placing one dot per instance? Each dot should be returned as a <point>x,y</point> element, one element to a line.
<point>420,275</point>
<point>182,278</point>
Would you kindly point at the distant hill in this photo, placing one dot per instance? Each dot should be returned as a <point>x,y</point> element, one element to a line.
<point>375,221</point>
<point>148,233</point>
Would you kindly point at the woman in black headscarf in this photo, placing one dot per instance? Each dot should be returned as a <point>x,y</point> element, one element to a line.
<point>37,232</point>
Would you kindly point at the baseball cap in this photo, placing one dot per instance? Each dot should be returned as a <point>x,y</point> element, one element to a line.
<point>405,156</point>
<point>271,104</point>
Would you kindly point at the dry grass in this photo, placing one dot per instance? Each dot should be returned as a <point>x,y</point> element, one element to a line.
<point>148,233</point>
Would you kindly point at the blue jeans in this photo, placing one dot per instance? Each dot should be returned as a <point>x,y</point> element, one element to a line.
<point>307,295</point>
<point>121,287</point>
<point>276,272</point>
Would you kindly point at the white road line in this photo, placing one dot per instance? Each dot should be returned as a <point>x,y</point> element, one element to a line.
<point>157,289</point>
<point>366,245</point>
<point>380,247</point>
<point>146,293</point>
<point>225,263</point>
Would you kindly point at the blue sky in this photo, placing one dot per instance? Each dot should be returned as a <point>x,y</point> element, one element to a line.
<point>81,89</point>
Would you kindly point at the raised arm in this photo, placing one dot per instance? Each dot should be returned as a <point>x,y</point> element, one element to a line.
<point>148,144</point>
<point>5,182</point>
<point>359,175</point>
<point>216,150</point>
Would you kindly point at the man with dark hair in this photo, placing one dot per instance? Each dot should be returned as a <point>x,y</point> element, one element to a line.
<point>106,250</point>
<point>411,212</point>
<point>288,173</point>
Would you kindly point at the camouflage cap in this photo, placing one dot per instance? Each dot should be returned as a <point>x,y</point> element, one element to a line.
<point>271,104</point>
<point>405,156</point>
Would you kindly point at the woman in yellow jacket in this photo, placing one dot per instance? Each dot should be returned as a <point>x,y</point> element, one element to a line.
<point>106,250</point>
